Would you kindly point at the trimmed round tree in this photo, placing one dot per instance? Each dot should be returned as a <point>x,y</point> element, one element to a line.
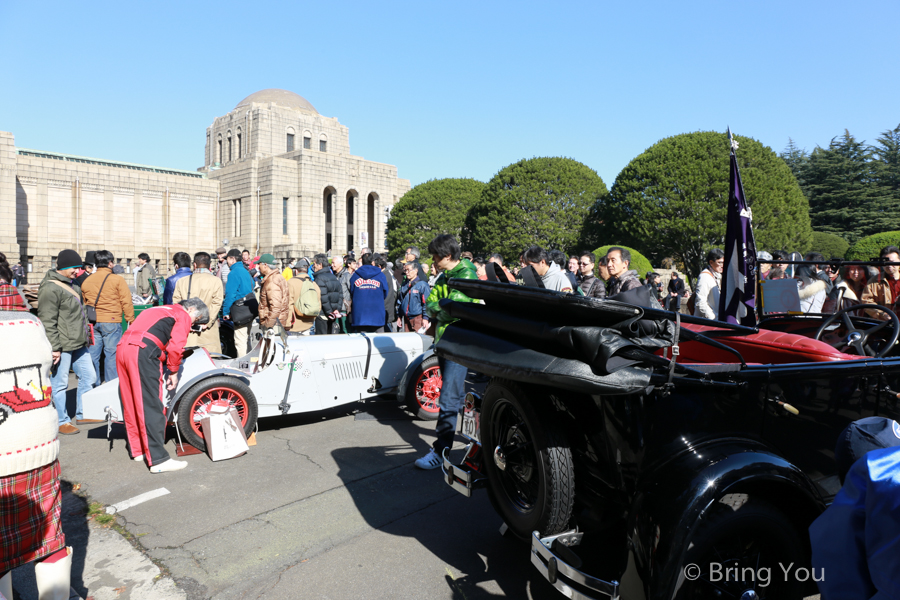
<point>543,201</point>
<point>870,246</point>
<point>829,244</point>
<point>430,209</point>
<point>671,200</point>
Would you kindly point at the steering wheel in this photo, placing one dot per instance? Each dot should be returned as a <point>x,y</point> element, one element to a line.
<point>857,338</point>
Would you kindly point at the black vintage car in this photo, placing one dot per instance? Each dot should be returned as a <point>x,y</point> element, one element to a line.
<point>636,476</point>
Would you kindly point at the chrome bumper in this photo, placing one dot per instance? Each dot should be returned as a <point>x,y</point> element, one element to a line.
<point>461,478</point>
<point>571,582</point>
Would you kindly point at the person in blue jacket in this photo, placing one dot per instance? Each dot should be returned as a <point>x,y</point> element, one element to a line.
<point>856,541</point>
<point>182,262</point>
<point>413,295</point>
<point>239,285</point>
<point>368,289</point>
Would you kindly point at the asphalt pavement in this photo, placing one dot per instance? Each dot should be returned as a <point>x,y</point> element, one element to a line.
<point>326,505</point>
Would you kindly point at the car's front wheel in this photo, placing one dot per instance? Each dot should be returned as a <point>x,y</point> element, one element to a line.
<point>424,390</point>
<point>221,390</point>
<point>531,478</point>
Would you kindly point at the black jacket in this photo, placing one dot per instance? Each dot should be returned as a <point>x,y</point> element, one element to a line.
<point>390,302</point>
<point>332,296</point>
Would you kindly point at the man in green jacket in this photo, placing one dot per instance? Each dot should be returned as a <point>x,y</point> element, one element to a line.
<point>444,250</point>
<point>61,310</point>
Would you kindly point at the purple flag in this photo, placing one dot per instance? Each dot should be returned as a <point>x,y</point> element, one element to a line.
<point>737,300</point>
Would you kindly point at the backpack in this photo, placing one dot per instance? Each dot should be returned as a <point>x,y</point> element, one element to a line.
<point>308,302</point>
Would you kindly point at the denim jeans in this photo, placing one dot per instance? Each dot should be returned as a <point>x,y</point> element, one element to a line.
<point>80,362</point>
<point>106,337</point>
<point>453,389</point>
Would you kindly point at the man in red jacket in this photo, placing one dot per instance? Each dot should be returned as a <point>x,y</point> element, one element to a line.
<point>155,340</point>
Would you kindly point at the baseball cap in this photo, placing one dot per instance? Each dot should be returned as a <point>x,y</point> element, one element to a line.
<point>763,255</point>
<point>267,259</point>
<point>234,253</point>
<point>862,436</point>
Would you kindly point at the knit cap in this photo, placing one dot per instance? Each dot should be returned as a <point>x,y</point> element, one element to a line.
<point>68,259</point>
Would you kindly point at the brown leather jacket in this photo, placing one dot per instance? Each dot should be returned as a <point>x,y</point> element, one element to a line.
<point>275,301</point>
<point>115,299</point>
<point>878,292</point>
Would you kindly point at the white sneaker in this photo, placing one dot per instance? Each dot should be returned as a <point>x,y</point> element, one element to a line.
<point>138,457</point>
<point>429,461</point>
<point>169,465</point>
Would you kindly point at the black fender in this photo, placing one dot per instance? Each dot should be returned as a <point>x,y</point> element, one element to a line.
<point>671,501</point>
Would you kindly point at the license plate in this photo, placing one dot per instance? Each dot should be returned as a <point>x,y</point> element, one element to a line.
<point>471,424</point>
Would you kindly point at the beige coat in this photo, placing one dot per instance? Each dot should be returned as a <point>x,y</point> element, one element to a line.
<point>207,287</point>
<point>301,322</point>
<point>275,301</point>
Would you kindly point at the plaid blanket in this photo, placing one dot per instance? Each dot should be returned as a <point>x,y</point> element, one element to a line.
<point>30,525</point>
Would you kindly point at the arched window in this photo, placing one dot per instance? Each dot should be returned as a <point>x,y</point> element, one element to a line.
<point>219,156</point>
<point>370,213</point>
<point>327,206</point>
<point>240,146</point>
<point>228,137</point>
<point>290,139</point>
<point>351,232</point>
<point>307,139</point>
<point>323,142</point>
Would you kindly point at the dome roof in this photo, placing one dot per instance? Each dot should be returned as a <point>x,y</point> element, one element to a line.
<point>279,97</point>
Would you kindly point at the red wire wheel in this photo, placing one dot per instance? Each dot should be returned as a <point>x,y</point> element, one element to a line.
<point>424,390</point>
<point>221,390</point>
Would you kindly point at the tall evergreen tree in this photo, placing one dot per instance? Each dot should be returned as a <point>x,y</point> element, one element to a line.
<point>797,159</point>
<point>887,162</point>
<point>844,198</point>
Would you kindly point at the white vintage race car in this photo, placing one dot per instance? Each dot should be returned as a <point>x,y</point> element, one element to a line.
<point>292,374</point>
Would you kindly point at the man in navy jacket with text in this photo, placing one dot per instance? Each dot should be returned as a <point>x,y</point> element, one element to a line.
<point>368,289</point>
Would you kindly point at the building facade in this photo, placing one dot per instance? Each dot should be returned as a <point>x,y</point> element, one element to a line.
<point>278,177</point>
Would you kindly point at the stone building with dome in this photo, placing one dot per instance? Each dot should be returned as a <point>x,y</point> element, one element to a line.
<point>277,177</point>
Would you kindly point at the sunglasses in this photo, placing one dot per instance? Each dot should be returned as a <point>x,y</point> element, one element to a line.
<point>585,264</point>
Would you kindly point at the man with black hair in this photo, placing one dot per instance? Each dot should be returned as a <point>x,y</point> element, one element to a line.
<point>332,296</point>
<point>221,267</point>
<point>621,277</point>
<point>108,293</point>
<point>817,269</point>
<point>676,291</point>
<point>884,290</point>
<point>144,273</point>
<point>239,285</point>
<point>343,274</point>
<point>709,284</point>
<point>444,250</point>
<point>786,269</point>
<point>498,259</point>
<point>558,257</point>
<point>591,286</point>
<point>206,286</point>
<point>182,261</point>
<point>550,273</point>
<point>368,291</point>
<point>390,301</point>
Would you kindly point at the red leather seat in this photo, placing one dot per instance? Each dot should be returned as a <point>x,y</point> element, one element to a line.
<point>765,347</point>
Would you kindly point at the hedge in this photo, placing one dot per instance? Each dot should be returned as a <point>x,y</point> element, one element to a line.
<point>870,247</point>
<point>830,245</point>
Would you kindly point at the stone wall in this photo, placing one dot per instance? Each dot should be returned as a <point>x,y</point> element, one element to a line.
<point>69,204</point>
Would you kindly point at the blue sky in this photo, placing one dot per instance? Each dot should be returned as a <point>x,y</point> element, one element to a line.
<point>453,89</point>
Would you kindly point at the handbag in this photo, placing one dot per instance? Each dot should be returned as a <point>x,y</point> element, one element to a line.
<point>223,434</point>
<point>91,311</point>
<point>246,309</point>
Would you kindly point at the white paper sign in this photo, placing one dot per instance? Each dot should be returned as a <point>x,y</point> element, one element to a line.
<point>780,296</point>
